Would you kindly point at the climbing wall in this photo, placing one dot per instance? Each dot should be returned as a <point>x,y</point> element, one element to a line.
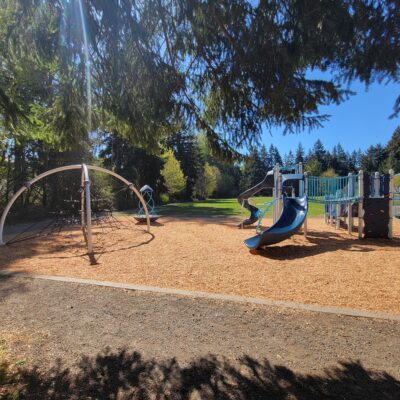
<point>376,217</point>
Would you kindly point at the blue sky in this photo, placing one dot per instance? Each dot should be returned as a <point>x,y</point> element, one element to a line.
<point>359,122</point>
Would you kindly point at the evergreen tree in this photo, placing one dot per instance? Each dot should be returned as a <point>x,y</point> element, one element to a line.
<point>374,159</point>
<point>275,155</point>
<point>257,167</point>
<point>355,160</point>
<point>393,152</point>
<point>289,159</point>
<point>342,161</point>
<point>299,158</point>
<point>265,159</point>
<point>319,153</point>
<point>134,164</point>
<point>187,151</point>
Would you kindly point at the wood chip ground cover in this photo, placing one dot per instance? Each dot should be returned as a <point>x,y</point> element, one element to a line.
<point>330,267</point>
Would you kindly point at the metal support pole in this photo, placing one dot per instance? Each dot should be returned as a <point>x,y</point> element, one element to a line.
<point>277,210</point>
<point>301,183</point>
<point>338,209</point>
<point>88,209</point>
<point>350,195</point>
<point>83,222</point>
<point>360,204</point>
<point>391,203</point>
<point>275,205</point>
<point>305,192</point>
<point>377,185</point>
<point>279,195</point>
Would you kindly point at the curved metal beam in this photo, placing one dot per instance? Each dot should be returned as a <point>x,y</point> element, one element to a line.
<point>61,169</point>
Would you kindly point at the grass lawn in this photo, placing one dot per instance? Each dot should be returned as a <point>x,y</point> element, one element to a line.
<point>224,207</point>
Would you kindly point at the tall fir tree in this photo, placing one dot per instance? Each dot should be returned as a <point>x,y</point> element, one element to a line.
<point>186,149</point>
<point>299,157</point>
<point>393,152</point>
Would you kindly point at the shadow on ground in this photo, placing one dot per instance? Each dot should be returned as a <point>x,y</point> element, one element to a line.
<point>324,242</point>
<point>125,375</point>
<point>45,246</point>
<point>6,289</point>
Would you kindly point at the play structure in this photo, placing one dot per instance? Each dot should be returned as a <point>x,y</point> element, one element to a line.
<point>370,198</point>
<point>147,193</point>
<point>85,203</point>
<point>289,206</point>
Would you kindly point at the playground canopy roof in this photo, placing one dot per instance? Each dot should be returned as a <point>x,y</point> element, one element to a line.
<point>146,188</point>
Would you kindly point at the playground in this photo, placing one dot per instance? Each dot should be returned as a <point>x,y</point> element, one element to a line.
<point>195,252</point>
<point>321,241</point>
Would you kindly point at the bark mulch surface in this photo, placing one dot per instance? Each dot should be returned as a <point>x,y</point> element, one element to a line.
<point>330,267</point>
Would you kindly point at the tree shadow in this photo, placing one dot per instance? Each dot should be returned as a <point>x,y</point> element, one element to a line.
<point>73,239</point>
<point>9,285</point>
<point>323,242</point>
<point>95,256</point>
<point>152,223</point>
<point>128,375</point>
<point>231,221</point>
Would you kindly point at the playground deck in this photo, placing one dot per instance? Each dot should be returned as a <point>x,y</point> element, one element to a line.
<point>208,254</point>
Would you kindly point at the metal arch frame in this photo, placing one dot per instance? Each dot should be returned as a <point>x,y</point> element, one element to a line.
<point>86,222</point>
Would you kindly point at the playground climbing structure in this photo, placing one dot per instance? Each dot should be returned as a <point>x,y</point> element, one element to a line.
<point>372,199</point>
<point>86,200</point>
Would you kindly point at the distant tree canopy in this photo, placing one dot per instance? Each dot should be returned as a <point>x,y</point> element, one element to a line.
<point>159,66</point>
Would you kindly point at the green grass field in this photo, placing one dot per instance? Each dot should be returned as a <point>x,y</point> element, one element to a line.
<point>224,207</point>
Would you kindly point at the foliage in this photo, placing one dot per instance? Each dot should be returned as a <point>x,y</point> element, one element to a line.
<point>154,67</point>
<point>299,157</point>
<point>396,182</point>
<point>225,186</point>
<point>201,78</point>
<point>330,172</point>
<point>164,198</point>
<point>188,151</point>
<point>206,183</point>
<point>313,166</point>
<point>374,159</point>
<point>393,152</point>
<point>134,164</point>
<point>172,173</point>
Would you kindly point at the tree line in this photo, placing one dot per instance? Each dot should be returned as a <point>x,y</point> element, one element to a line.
<point>186,169</point>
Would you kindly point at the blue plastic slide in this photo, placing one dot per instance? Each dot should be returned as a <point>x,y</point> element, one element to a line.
<point>293,215</point>
<point>243,199</point>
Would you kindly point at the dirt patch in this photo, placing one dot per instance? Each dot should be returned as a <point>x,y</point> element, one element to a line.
<point>328,268</point>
